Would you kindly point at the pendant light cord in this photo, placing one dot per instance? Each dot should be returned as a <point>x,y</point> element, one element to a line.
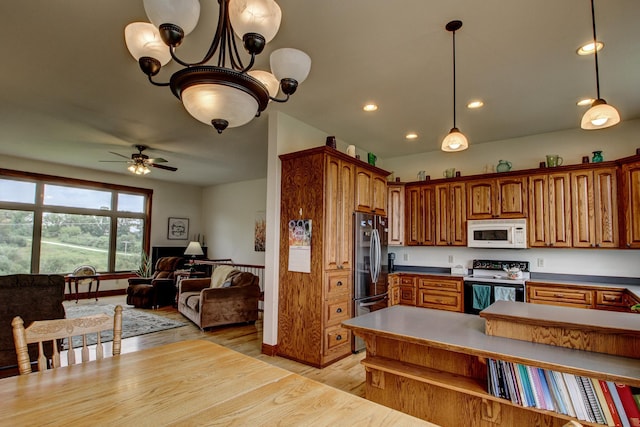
<point>595,47</point>
<point>454,78</point>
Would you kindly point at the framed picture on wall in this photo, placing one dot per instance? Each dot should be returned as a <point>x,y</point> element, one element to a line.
<point>178,229</point>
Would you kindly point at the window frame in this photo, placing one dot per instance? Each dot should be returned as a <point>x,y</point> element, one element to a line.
<point>39,208</point>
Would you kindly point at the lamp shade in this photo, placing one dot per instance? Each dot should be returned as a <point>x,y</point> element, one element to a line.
<point>269,80</point>
<point>143,39</point>
<point>206,102</point>
<point>255,16</point>
<point>290,63</point>
<point>183,13</point>
<point>454,141</point>
<point>601,115</point>
<point>194,249</point>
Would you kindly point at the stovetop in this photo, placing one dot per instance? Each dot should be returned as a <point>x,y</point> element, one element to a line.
<point>492,271</point>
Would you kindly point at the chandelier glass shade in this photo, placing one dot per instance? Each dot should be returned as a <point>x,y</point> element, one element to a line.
<point>225,93</point>
<point>601,115</point>
<point>455,140</point>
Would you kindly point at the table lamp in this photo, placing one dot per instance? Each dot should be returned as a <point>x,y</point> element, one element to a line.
<point>194,249</point>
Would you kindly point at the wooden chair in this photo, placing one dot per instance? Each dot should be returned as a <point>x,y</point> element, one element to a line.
<point>42,331</point>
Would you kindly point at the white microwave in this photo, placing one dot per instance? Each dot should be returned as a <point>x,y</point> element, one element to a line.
<point>497,233</point>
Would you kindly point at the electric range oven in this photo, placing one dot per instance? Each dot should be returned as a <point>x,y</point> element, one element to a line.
<point>490,282</point>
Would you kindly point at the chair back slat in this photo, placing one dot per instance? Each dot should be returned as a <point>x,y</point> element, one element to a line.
<point>54,330</point>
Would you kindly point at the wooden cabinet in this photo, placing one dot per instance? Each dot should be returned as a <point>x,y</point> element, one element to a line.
<point>317,185</point>
<point>549,221</point>
<point>407,290</point>
<point>419,215</point>
<point>595,297</point>
<point>630,200</point>
<point>439,293</point>
<point>371,192</point>
<point>395,214</point>
<point>394,289</point>
<point>451,214</point>
<point>594,207</point>
<point>497,198</point>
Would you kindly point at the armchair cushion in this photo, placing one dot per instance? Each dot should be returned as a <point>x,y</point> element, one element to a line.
<point>157,290</point>
<point>220,274</point>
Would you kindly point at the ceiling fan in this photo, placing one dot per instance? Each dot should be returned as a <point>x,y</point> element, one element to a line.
<point>139,163</point>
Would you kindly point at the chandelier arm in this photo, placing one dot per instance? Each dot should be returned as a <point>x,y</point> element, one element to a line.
<point>280,99</point>
<point>157,83</point>
<point>248,67</point>
<point>595,50</point>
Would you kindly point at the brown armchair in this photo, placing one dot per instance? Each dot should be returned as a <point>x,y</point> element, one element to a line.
<point>235,302</point>
<point>157,290</point>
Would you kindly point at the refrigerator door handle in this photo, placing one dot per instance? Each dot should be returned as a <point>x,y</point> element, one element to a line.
<point>368,304</point>
<point>375,256</point>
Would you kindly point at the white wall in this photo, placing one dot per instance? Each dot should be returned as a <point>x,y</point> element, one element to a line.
<point>229,214</point>
<point>169,200</point>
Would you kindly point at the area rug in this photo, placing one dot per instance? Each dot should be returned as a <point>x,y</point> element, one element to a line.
<point>134,322</point>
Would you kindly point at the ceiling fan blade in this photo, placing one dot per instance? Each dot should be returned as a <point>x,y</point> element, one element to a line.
<point>169,168</point>
<point>158,160</point>
<point>113,161</point>
<point>118,154</point>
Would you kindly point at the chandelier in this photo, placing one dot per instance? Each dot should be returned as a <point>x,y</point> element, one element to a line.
<point>227,94</point>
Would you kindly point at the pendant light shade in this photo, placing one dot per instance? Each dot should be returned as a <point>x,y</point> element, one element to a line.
<point>601,115</point>
<point>455,140</point>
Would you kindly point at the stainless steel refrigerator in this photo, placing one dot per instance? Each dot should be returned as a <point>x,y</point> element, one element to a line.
<point>370,267</point>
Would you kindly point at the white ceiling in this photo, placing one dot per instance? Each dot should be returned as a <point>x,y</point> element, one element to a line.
<point>71,92</point>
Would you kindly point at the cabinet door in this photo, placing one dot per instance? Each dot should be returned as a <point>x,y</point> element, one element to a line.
<point>512,198</point>
<point>605,199</point>
<point>538,222</point>
<point>582,207</point>
<point>395,212</point>
<point>379,190</point>
<point>451,215</point>
<point>549,210</point>
<point>559,295</point>
<point>419,215</point>
<point>364,190</point>
<point>480,195</point>
<point>630,199</point>
<point>338,214</point>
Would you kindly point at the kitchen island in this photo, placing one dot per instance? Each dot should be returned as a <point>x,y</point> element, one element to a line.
<point>432,364</point>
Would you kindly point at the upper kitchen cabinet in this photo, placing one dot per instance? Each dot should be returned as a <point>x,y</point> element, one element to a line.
<point>339,178</point>
<point>549,221</point>
<point>630,200</point>
<point>497,198</point>
<point>371,191</point>
<point>420,213</point>
<point>451,214</point>
<point>395,214</point>
<point>594,208</point>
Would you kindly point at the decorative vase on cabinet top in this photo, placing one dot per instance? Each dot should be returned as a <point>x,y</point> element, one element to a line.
<point>597,157</point>
<point>503,166</point>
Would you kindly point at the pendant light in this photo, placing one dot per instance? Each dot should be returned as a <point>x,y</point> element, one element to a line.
<point>455,140</point>
<point>601,115</point>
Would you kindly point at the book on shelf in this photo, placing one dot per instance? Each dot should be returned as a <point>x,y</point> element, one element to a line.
<point>618,403</point>
<point>592,400</point>
<point>546,391</point>
<point>613,420</point>
<point>526,385</point>
<point>555,392</point>
<point>536,387</point>
<point>629,404</point>
<point>564,393</point>
<point>575,396</point>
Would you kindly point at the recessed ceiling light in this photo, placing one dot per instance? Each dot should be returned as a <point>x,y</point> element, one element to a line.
<point>475,104</point>
<point>370,107</point>
<point>584,102</point>
<point>411,135</point>
<point>587,49</point>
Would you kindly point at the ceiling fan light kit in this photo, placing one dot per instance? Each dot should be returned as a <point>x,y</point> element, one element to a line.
<point>455,140</point>
<point>227,94</point>
<point>601,115</point>
<point>139,163</point>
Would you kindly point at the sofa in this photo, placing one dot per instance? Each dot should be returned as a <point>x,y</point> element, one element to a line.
<point>32,297</point>
<point>229,296</point>
<point>157,290</point>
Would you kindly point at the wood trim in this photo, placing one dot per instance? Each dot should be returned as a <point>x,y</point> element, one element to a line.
<point>269,350</point>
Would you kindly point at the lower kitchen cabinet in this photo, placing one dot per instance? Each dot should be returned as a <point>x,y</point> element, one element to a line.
<point>595,297</point>
<point>442,294</point>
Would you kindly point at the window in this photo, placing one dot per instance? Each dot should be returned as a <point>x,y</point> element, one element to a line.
<point>51,225</point>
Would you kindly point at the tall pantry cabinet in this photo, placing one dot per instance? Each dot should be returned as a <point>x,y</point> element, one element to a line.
<point>318,185</point>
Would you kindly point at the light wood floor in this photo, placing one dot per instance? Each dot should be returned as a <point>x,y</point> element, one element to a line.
<point>346,374</point>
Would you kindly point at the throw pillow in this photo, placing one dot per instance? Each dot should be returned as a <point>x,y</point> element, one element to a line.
<point>226,284</point>
<point>219,275</point>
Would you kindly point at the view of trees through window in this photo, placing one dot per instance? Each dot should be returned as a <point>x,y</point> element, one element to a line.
<point>72,226</point>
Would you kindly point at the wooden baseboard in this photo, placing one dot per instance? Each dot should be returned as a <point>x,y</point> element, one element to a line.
<point>269,350</point>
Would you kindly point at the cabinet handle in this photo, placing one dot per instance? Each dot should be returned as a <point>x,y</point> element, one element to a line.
<point>597,245</point>
<point>339,283</point>
<point>340,267</point>
<point>339,310</point>
<point>612,298</point>
<point>558,295</point>
<point>338,337</point>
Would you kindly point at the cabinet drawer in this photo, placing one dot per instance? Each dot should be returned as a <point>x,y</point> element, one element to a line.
<point>441,300</point>
<point>338,282</point>
<point>613,299</point>
<point>336,311</point>
<point>336,337</point>
<point>442,284</point>
<point>407,280</point>
<point>561,296</point>
<point>407,295</point>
